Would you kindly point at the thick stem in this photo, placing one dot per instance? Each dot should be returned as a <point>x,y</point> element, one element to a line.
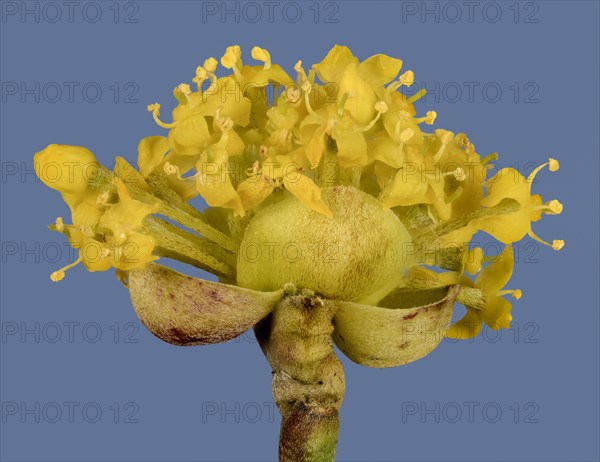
<point>308,379</point>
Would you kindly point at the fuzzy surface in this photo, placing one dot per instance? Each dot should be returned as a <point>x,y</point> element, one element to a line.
<point>359,254</point>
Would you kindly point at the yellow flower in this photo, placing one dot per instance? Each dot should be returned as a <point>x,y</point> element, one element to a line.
<point>281,171</point>
<point>109,235</point>
<point>509,183</point>
<point>484,302</point>
<point>213,180</point>
<point>357,80</point>
<point>68,170</point>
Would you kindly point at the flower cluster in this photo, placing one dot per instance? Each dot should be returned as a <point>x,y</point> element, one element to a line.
<point>255,132</point>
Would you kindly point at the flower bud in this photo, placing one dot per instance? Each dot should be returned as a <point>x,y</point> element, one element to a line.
<point>67,169</point>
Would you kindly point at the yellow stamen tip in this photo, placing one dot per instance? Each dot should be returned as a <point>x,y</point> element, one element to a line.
<point>554,165</point>
<point>57,276</point>
<point>60,226</point>
<point>558,244</point>
<point>459,174</point>
<point>154,108</point>
<point>210,65</point>
<point>231,56</point>
<point>517,294</point>
<point>184,88</point>
<point>555,206</point>
<point>381,106</point>
<point>430,117</point>
<point>260,54</point>
<point>102,198</point>
<point>408,78</point>
<point>406,134</point>
<point>293,94</point>
<point>445,136</point>
<point>169,168</point>
<point>201,74</point>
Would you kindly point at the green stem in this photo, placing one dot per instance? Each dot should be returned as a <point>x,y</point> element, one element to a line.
<point>308,379</point>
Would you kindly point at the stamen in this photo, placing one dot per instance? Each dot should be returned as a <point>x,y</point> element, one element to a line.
<point>417,96</point>
<point>302,77</point>
<point>406,134</point>
<point>185,90</point>
<point>263,151</point>
<point>489,158</point>
<point>455,195</point>
<point>445,137</point>
<point>307,88</point>
<point>553,167</point>
<point>407,79</point>
<point>201,76</point>
<point>231,60</point>
<point>155,110</point>
<point>429,118</point>
<point>293,94</point>
<point>260,54</point>
<point>553,207</point>
<point>170,169</point>
<point>516,294</point>
<point>60,274</point>
<point>87,231</point>
<point>342,103</point>
<point>102,198</point>
<point>557,244</point>
<point>459,174</point>
<point>210,65</point>
<point>381,107</point>
<point>60,226</point>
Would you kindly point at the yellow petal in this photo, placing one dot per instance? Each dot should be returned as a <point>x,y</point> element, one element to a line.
<point>213,183</point>
<point>385,150</point>
<point>190,136</point>
<point>496,274</point>
<point>151,151</point>
<point>351,146</point>
<point>361,97</point>
<point>126,216</point>
<point>129,175</point>
<point>468,327</point>
<point>336,61</point>
<point>506,228</point>
<point>67,169</point>
<point>308,192</point>
<point>380,69</point>
<point>315,146</point>
<point>409,188</point>
<point>226,94</point>
<point>253,191</point>
<point>497,313</point>
<point>508,182</point>
<point>135,253</point>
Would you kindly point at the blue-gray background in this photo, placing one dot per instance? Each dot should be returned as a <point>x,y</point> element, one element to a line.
<point>533,391</point>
